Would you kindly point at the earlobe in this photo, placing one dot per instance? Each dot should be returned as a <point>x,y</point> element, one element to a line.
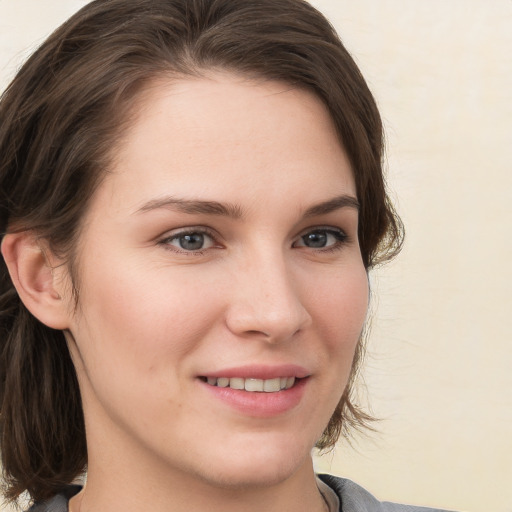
<point>38,278</point>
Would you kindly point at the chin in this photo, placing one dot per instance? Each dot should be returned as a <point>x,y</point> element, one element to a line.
<point>251,476</point>
<point>257,464</point>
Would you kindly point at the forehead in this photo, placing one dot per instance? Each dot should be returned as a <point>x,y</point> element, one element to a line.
<point>225,135</point>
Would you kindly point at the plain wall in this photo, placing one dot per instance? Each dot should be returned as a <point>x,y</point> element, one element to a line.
<point>438,371</point>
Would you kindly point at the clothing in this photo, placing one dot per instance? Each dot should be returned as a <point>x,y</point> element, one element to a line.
<point>354,498</point>
<point>351,498</point>
<point>58,503</point>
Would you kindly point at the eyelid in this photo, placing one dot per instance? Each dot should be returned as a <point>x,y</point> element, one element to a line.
<point>332,229</point>
<point>342,238</point>
<point>188,230</point>
<point>185,230</point>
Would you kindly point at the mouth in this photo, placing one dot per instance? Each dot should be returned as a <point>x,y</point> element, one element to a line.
<point>258,391</point>
<point>252,385</point>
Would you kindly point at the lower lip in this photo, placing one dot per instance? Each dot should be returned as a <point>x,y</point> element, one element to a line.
<point>259,404</point>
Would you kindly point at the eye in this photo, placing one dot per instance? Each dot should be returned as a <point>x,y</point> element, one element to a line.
<point>322,238</point>
<point>190,241</point>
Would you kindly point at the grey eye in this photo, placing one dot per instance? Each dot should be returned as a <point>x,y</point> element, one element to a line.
<point>192,241</point>
<point>321,238</point>
<point>316,239</point>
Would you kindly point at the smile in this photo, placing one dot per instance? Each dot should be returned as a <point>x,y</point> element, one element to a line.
<point>252,385</point>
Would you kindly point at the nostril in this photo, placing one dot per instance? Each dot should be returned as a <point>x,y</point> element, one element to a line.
<point>255,332</point>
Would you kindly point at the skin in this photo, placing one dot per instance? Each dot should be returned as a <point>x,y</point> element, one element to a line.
<point>153,317</point>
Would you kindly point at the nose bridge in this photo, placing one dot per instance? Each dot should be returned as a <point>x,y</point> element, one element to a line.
<point>267,300</point>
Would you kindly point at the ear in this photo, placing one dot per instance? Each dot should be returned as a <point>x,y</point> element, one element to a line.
<point>39,277</point>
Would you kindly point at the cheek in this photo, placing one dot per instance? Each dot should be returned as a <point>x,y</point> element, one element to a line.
<point>340,311</point>
<point>341,306</point>
<point>142,317</point>
<point>134,340</point>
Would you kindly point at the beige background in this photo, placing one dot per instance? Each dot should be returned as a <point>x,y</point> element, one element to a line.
<point>438,371</point>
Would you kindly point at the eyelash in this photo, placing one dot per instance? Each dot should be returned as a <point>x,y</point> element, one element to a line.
<point>341,239</point>
<point>192,231</point>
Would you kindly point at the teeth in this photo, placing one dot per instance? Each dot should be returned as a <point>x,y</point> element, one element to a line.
<point>253,385</point>
<point>236,383</point>
<point>223,382</point>
<point>272,385</point>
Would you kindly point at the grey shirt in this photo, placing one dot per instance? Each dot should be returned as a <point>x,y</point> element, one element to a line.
<point>352,498</point>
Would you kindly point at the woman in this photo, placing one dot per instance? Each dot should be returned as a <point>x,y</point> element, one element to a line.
<point>191,199</point>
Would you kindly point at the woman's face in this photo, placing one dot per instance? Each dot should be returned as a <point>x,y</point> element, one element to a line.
<point>220,253</point>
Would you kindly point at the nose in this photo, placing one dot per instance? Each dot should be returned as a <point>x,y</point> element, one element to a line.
<point>266,302</point>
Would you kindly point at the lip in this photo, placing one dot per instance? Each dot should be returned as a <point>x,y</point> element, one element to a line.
<point>259,404</point>
<point>260,372</point>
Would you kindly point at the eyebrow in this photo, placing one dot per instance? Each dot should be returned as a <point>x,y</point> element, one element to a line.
<point>331,205</point>
<point>195,206</point>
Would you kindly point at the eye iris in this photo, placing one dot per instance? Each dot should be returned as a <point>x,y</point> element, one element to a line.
<point>192,242</point>
<point>315,239</point>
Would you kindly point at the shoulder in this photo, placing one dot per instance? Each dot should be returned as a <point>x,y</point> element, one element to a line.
<point>58,503</point>
<point>354,498</point>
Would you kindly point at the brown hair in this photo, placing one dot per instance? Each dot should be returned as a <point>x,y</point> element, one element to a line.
<point>59,119</point>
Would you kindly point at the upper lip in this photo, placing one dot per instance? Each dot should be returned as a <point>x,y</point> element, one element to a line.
<point>261,372</point>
